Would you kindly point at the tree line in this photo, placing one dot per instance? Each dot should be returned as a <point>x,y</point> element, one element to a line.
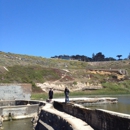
<point>95,57</point>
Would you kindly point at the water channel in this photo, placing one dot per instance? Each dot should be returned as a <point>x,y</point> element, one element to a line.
<point>123,106</point>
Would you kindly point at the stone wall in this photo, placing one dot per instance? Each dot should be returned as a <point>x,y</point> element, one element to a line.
<point>15,91</point>
<point>97,119</point>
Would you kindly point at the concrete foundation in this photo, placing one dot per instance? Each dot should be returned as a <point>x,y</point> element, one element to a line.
<point>19,109</point>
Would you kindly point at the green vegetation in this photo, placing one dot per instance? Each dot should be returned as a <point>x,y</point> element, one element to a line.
<point>121,87</point>
<point>32,69</point>
<point>75,83</point>
<point>39,96</point>
<point>109,89</point>
<point>44,96</point>
<point>27,74</point>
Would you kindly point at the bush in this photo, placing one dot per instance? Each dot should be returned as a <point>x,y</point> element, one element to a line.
<point>74,83</point>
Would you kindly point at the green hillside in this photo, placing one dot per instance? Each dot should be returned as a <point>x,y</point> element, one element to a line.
<point>16,68</point>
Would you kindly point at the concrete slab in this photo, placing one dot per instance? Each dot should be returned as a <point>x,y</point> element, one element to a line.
<point>89,100</point>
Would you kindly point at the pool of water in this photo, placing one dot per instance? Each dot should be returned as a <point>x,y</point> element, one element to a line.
<point>24,124</point>
<point>122,106</point>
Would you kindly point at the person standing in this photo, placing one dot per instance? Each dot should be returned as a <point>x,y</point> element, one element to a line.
<point>50,94</point>
<point>66,91</point>
<point>1,121</point>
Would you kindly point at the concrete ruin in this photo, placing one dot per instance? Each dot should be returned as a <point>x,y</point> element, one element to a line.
<point>15,101</point>
<point>15,91</point>
<point>69,116</point>
<point>16,104</point>
<point>18,109</point>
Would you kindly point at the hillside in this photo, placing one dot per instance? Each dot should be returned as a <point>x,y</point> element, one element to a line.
<point>57,73</point>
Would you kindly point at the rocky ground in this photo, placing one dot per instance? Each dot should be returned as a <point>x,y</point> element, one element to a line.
<point>68,81</point>
<point>87,81</point>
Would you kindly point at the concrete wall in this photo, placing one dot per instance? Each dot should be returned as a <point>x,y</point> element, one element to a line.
<point>56,122</point>
<point>98,119</point>
<point>19,109</point>
<point>15,91</point>
<point>19,112</point>
<point>7,103</point>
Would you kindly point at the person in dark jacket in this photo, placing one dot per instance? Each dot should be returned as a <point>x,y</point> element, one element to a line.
<point>50,94</point>
<point>66,91</point>
<point>1,121</point>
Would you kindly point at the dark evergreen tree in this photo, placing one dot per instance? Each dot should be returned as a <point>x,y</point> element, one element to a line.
<point>93,57</point>
<point>119,56</point>
<point>99,57</point>
<point>129,56</point>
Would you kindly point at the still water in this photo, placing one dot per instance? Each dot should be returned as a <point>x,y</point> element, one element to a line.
<point>122,106</point>
<point>18,125</point>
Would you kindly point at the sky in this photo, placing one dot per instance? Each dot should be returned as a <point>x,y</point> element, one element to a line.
<point>50,28</point>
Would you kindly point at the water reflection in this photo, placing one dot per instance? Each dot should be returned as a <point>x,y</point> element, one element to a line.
<point>123,105</point>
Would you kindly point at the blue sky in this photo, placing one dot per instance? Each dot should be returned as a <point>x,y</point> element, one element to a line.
<point>56,27</point>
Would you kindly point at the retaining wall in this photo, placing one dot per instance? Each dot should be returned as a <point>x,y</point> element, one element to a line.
<point>98,119</point>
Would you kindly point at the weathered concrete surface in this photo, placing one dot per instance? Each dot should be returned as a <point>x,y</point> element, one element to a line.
<point>19,109</point>
<point>15,91</point>
<point>84,100</point>
<point>99,119</point>
<point>66,116</point>
<point>60,120</point>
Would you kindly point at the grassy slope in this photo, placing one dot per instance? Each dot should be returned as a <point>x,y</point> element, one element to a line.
<point>31,69</point>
